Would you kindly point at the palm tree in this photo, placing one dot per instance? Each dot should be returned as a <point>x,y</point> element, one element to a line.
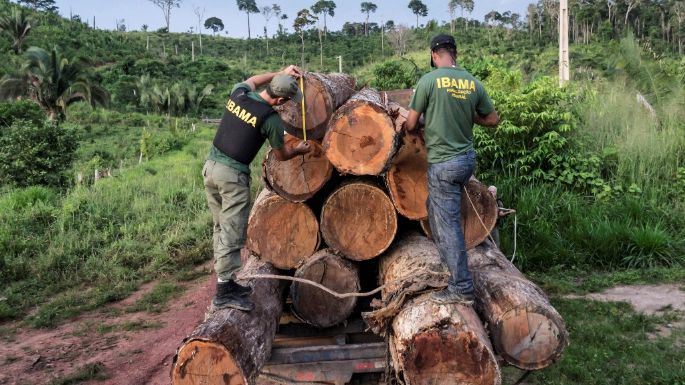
<point>367,8</point>
<point>53,81</point>
<point>18,24</point>
<point>249,6</point>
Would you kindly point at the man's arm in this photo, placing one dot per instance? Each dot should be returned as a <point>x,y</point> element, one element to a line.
<point>489,120</point>
<point>412,121</point>
<point>287,153</point>
<point>257,81</point>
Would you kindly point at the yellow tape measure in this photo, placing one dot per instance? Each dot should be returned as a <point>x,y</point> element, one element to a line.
<point>304,120</point>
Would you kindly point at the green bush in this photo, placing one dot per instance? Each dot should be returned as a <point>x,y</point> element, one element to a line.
<point>394,74</point>
<point>36,154</point>
<point>21,110</point>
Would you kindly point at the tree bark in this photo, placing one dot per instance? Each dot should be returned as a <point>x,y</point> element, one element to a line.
<point>315,306</point>
<point>359,220</point>
<point>362,135</point>
<point>299,178</point>
<point>525,328</point>
<point>407,178</point>
<point>231,346</point>
<point>481,206</point>
<point>323,94</point>
<point>281,232</point>
<point>431,343</point>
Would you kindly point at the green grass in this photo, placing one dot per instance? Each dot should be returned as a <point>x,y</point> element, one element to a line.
<point>610,344</point>
<point>93,371</point>
<point>129,326</point>
<point>155,301</point>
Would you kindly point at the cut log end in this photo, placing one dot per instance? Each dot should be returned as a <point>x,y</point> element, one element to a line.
<point>203,362</point>
<point>299,178</point>
<point>359,220</point>
<point>528,339</point>
<point>478,214</point>
<point>439,351</point>
<point>314,305</point>
<point>407,179</point>
<point>281,232</point>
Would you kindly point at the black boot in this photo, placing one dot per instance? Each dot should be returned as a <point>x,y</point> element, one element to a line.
<point>232,295</point>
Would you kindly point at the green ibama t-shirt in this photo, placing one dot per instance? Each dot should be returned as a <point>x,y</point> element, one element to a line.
<point>448,97</point>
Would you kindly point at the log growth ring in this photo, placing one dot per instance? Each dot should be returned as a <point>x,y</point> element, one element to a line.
<point>204,362</point>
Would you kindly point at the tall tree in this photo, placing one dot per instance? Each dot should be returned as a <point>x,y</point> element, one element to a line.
<point>466,5</point>
<point>419,9</point>
<point>54,81</point>
<point>249,6</point>
<point>630,6</point>
<point>678,9</point>
<point>452,6</point>
<point>200,13</point>
<point>269,12</point>
<point>18,25</point>
<point>40,5</point>
<point>302,20</point>
<point>325,7</point>
<point>166,6</point>
<point>368,7</point>
<point>215,24</point>
<point>492,16</point>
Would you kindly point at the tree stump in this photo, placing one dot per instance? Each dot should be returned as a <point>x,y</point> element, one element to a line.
<point>299,178</point>
<point>478,214</point>
<point>281,232</point>
<point>323,94</point>
<point>359,220</point>
<point>362,136</point>
<point>231,346</point>
<point>315,306</point>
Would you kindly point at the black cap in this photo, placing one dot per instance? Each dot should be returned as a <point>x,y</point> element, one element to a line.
<point>442,41</point>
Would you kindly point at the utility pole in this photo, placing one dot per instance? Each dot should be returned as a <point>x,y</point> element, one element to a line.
<point>563,43</point>
<point>339,63</point>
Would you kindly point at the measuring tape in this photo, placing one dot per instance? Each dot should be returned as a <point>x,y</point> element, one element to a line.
<point>304,120</point>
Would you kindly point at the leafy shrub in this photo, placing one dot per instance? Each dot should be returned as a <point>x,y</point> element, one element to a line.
<point>393,74</point>
<point>21,110</point>
<point>36,154</point>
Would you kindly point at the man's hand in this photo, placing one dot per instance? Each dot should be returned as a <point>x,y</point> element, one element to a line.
<point>287,153</point>
<point>293,71</point>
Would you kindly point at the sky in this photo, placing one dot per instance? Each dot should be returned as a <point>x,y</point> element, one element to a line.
<point>139,12</point>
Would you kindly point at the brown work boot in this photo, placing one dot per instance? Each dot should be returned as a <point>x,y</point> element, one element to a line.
<point>232,295</point>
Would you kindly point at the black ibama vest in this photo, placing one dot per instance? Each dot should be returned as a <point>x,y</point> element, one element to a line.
<point>240,135</point>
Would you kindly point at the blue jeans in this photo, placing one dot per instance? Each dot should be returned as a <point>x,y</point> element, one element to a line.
<point>445,181</point>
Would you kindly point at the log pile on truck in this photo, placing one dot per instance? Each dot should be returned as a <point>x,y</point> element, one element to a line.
<point>351,215</point>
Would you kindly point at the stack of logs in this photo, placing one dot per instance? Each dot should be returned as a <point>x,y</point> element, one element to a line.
<point>323,214</point>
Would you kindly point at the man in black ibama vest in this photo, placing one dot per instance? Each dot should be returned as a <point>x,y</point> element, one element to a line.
<point>249,119</point>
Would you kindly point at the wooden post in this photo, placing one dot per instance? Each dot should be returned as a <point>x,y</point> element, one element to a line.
<point>564,64</point>
<point>192,50</point>
<point>147,46</point>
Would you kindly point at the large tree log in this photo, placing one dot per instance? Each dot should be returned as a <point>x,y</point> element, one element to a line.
<point>315,306</point>
<point>401,97</point>
<point>231,346</point>
<point>526,329</point>
<point>479,214</point>
<point>359,220</point>
<point>323,94</point>
<point>281,232</point>
<point>407,178</point>
<point>362,136</point>
<point>430,343</point>
<point>299,178</point>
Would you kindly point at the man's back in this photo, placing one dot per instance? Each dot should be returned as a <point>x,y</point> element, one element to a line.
<point>449,97</point>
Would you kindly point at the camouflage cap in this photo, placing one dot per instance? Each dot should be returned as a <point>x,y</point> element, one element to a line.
<point>285,86</point>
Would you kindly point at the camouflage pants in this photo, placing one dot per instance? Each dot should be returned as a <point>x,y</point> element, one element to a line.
<point>228,197</point>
